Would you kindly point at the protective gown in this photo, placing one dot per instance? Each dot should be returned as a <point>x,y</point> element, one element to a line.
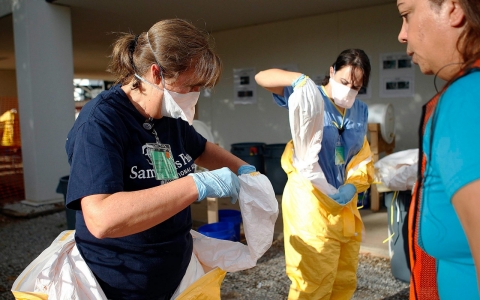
<point>322,237</point>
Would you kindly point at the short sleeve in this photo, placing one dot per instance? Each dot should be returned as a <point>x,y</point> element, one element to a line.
<point>194,142</point>
<point>96,159</point>
<point>456,134</point>
<point>282,101</point>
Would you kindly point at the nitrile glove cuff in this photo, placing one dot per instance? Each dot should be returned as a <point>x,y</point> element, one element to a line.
<point>246,169</point>
<point>202,189</point>
<point>298,80</point>
<point>217,184</point>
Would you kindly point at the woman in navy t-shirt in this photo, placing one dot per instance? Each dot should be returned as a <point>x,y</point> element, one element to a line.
<point>131,149</point>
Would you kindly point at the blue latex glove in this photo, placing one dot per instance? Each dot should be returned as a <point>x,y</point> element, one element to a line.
<point>217,184</point>
<point>345,194</point>
<point>246,169</point>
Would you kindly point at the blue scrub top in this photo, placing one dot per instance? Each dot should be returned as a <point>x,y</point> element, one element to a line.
<point>454,163</point>
<point>355,128</point>
<point>106,149</point>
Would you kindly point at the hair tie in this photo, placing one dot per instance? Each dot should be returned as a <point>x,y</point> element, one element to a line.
<point>131,50</point>
<point>132,46</point>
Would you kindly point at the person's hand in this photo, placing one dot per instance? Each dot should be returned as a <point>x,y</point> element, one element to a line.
<point>217,184</point>
<point>246,169</point>
<point>345,193</point>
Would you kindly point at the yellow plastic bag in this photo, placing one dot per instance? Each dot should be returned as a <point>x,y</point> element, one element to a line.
<point>205,288</point>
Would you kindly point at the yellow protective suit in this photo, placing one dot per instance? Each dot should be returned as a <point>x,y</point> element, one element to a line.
<point>322,238</point>
<point>9,127</point>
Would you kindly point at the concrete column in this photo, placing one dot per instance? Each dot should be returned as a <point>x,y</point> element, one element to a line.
<point>5,7</point>
<point>44,68</point>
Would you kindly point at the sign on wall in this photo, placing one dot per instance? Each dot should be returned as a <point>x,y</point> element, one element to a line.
<point>244,86</point>
<point>397,75</point>
<point>365,93</point>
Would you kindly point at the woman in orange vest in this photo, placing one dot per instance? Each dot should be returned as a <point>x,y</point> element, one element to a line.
<point>443,38</point>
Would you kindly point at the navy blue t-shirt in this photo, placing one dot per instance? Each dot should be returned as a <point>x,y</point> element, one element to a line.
<point>106,150</point>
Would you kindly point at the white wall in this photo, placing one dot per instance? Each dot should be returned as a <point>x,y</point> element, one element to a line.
<point>312,44</point>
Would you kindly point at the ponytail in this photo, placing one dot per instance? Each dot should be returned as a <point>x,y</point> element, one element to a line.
<point>122,63</point>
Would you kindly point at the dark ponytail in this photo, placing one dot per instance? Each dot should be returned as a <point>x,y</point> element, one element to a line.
<point>357,59</point>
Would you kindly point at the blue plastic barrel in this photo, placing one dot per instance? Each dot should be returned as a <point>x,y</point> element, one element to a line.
<point>364,200</point>
<point>251,153</point>
<point>218,230</point>
<point>398,204</point>
<point>273,167</point>
<point>233,216</point>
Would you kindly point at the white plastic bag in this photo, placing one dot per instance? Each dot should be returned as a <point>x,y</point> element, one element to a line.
<point>305,111</point>
<point>59,272</point>
<point>398,171</point>
<point>259,209</point>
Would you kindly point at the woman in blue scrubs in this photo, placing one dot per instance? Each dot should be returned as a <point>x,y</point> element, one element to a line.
<point>328,162</point>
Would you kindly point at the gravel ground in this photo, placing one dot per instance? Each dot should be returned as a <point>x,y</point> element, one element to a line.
<point>22,240</point>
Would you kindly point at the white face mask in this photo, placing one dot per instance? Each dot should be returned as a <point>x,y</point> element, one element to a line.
<point>176,105</point>
<point>342,95</point>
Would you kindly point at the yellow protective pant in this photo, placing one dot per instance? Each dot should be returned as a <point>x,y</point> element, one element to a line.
<point>322,239</point>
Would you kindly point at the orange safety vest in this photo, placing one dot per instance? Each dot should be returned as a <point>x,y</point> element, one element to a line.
<point>423,281</point>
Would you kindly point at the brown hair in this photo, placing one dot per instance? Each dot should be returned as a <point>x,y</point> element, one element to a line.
<point>357,59</point>
<point>468,43</point>
<point>175,45</point>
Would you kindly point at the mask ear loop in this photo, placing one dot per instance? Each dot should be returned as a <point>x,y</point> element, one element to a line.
<point>436,74</point>
<point>163,78</point>
<point>435,82</point>
<point>156,62</point>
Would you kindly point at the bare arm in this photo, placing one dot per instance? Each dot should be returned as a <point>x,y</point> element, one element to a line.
<point>125,213</point>
<point>274,80</point>
<point>467,203</point>
<point>215,157</point>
